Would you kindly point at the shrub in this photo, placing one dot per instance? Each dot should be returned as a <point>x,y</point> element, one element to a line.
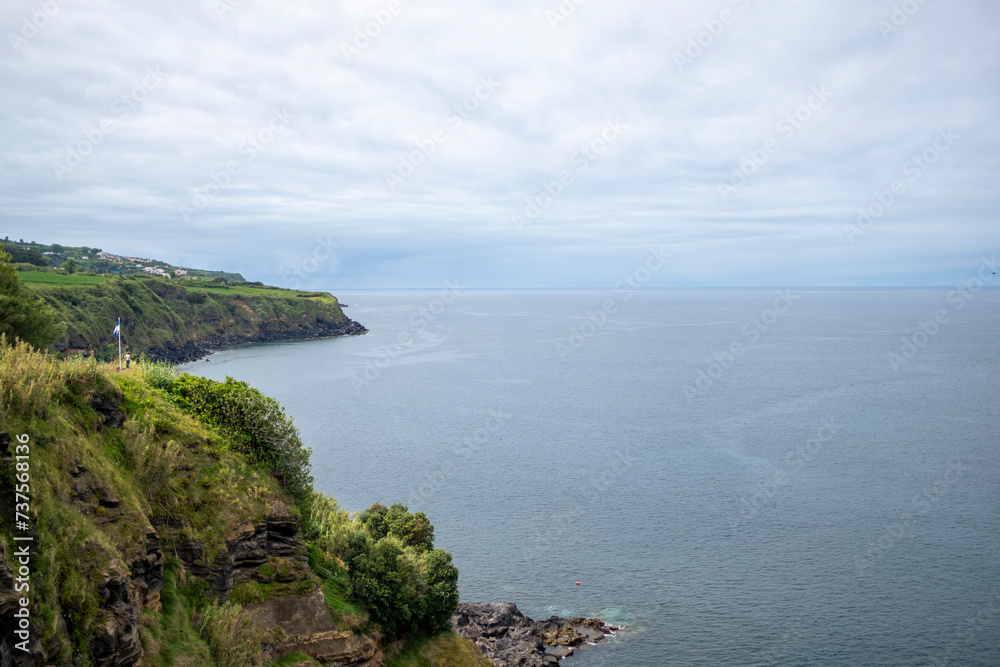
<point>329,527</point>
<point>160,374</point>
<point>257,424</point>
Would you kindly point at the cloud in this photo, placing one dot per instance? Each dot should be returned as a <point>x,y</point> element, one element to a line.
<point>698,86</point>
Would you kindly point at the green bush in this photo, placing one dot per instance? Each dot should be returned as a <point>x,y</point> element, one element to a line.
<point>23,315</point>
<point>415,530</point>
<point>258,425</point>
<point>397,574</point>
<point>160,374</point>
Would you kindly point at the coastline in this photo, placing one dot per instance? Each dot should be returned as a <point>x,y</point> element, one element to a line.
<point>195,350</point>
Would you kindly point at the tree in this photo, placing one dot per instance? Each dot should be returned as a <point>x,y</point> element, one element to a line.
<point>415,530</point>
<point>395,571</point>
<point>441,597</point>
<point>27,256</point>
<point>69,265</point>
<point>23,315</point>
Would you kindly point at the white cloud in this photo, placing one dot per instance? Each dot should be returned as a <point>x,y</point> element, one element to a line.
<point>225,76</point>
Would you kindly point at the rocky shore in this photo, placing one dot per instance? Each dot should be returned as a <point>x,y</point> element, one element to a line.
<point>192,351</point>
<point>510,639</point>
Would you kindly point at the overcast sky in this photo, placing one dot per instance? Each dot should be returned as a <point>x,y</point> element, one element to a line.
<point>280,140</point>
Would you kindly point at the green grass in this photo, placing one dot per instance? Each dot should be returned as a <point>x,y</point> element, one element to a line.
<point>445,649</point>
<point>156,311</point>
<point>169,637</point>
<point>159,462</point>
<point>43,278</point>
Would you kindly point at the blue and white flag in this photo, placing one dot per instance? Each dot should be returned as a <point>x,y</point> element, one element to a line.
<point>118,328</point>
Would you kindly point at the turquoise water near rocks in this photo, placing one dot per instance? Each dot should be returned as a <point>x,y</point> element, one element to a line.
<point>739,477</point>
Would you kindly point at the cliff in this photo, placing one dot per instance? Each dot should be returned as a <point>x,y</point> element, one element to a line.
<point>151,539</point>
<point>181,320</point>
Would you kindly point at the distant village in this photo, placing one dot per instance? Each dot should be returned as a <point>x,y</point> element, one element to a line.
<point>84,259</point>
<point>122,259</point>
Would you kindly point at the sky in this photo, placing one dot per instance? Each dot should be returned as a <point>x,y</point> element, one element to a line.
<point>556,143</point>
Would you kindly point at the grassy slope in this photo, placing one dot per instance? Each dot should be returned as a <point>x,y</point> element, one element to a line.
<point>155,311</point>
<point>33,278</point>
<point>159,462</point>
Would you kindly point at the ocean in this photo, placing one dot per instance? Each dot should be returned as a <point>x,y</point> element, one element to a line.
<point>755,477</point>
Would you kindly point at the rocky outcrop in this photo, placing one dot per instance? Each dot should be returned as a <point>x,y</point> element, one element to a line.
<point>305,625</point>
<point>249,547</point>
<point>510,639</point>
<point>296,622</point>
<point>192,351</point>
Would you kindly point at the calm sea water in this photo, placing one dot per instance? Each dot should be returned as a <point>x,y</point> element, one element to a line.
<point>737,485</point>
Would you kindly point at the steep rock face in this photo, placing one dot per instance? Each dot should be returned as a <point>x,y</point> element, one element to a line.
<point>116,639</point>
<point>9,622</point>
<point>510,639</point>
<point>249,547</point>
<point>301,622</point>
<point>306,626</point>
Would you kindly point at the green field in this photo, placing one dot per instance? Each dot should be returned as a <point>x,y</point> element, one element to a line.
<point>51,278</point>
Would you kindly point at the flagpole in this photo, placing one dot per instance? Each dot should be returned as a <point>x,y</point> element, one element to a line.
<point>119,343</point>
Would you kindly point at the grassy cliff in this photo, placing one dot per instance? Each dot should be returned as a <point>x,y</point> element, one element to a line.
<point>161,316</point>
<point>166,529</point>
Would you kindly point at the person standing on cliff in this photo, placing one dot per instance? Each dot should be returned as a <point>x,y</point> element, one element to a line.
<point>128,358</point>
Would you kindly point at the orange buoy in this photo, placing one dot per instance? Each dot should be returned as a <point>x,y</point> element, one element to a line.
<point>578,583</point>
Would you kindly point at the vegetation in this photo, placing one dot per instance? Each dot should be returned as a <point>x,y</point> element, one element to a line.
<point>157,311</point>
<point>444,649</point>
<point>256,423</point>
<point>93,490</point>
<point>111,451</point>
<point>97,261</point>
<point>23,316</point>
<point>220,454</point>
